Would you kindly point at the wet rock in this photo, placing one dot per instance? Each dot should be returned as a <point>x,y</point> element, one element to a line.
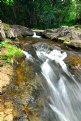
<point>68,35</point>
<point>74,65</point>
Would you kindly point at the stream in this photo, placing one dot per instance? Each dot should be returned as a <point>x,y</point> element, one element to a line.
<point>43,89</point>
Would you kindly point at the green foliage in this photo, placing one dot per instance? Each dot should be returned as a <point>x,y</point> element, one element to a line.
<point>72,11</point>
<point>78,10</point>
<point>9,2</point>
<point>1,44</point>
<point>40,13</point>
<point>11,51</point>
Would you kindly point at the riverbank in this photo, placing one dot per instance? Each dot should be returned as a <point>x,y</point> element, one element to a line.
<point>6,106</point>
<point>6,72</point>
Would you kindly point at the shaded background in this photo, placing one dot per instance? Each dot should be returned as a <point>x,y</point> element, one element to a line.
<point>41,13</point>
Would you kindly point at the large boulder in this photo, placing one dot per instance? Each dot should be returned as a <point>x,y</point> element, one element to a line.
<point>68,35</point>
<point>13,31</point>
<point>21,30</point>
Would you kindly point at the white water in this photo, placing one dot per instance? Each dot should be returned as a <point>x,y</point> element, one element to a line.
<point>36,36</point>
<point>28,56</point>
<point>63,92</point>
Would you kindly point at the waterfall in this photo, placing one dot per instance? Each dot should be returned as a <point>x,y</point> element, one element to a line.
<point>36,36</point>
<point>61,95</point>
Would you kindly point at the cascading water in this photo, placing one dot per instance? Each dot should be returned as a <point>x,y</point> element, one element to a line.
<point>36,36</point>
<point>61,92</point>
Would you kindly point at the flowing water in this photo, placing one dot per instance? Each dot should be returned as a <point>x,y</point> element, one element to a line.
<point>42,88</point>
<point>36,36</point>
<point>61,92</point>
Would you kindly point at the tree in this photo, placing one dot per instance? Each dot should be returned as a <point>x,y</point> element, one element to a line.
<point>40,13</point>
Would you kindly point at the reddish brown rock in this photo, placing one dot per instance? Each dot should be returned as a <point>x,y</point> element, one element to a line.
<point>74,65</point>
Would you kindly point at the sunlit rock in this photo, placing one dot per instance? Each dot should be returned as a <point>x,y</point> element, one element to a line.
<point>5,77</point>
<point>2,33</point>
<point>13,31</point>
<point>67,35</point>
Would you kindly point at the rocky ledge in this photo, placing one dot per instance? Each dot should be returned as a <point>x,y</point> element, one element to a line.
<point>70,36</point>
<point>13,31</point>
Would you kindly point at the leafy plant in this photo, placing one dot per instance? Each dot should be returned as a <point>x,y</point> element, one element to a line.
<point>11,51</point>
